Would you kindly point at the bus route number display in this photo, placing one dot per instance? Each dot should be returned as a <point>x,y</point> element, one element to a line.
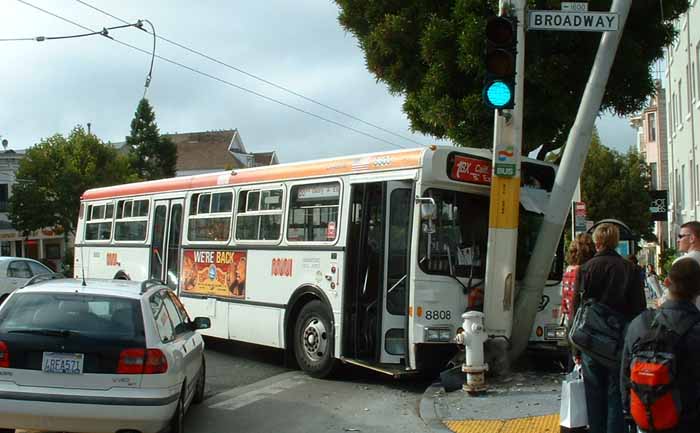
<point>472,170</point>
<point>316,192</point>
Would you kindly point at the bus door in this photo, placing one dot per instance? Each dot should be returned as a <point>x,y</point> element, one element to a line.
<point>376,278</point>
<point>167,235</point>
<point>399,205</point>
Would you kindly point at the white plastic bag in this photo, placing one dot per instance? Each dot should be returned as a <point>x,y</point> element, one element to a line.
<point>573,413</point>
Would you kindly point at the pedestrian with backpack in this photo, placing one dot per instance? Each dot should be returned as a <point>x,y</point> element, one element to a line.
<point>660,375</point>
<point>610,295</point>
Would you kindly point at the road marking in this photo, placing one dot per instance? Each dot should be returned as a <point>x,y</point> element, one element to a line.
<point>255,392</point>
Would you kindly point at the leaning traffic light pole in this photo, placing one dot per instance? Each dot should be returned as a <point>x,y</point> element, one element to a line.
<point>503,92</point>
<point>570,168</point>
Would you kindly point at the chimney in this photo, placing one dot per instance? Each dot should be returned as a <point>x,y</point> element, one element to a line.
<point>88,125</point>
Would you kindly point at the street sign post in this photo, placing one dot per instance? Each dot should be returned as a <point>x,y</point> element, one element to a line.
<point>573,21</point>
<point>579,211</point>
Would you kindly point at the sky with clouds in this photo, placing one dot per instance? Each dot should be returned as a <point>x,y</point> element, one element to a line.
<point>49,87</point>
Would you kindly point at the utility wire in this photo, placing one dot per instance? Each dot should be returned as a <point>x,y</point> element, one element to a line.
<point>153,56</point>
<point>197,71</point>
<point>103,32</point>
<point>256,77</point>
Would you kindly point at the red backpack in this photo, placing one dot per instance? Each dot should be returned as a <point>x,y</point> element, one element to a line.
<point>655,399</point>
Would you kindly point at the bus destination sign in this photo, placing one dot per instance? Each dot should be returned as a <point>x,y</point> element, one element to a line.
<point>472,170</point>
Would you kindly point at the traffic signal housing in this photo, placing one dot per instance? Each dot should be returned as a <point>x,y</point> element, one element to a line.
<point>501,51</point>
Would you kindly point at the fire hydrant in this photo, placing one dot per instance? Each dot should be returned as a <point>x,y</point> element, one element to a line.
<point>473,338</point>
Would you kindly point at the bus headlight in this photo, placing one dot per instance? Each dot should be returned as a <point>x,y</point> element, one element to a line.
<point>438,335</point>
<point>555,333</point>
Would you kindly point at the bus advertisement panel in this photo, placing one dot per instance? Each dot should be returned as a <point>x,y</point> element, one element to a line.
<point>214,273</point>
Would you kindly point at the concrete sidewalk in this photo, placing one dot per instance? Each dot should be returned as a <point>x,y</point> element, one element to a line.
<point>521,402</point>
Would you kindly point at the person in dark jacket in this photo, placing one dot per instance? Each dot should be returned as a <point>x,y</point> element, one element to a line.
<point>612,280</point>
<point>683,292</point>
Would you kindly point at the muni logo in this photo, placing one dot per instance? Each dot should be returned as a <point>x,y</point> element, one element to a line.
<point>282,267</point>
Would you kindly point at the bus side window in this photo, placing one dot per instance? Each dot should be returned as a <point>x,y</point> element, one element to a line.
<point>98,226</point>
<point>132,220</point>
<point>313,212</point>
<point>259,215</point>
<point>210,215</point>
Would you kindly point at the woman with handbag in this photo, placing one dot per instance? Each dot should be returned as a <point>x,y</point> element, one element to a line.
<point>609,294</point>
<point>581,249</point>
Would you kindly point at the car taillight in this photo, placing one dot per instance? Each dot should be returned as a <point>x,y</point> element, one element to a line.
<point>142,361</point>
<point>4,355</point>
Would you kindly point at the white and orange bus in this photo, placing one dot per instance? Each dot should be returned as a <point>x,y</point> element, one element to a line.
<point>369,259</point>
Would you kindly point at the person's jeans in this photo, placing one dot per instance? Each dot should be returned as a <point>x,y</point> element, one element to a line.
<point>603,398</point>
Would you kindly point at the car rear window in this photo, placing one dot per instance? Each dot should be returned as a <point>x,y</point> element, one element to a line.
<point>94,315</point>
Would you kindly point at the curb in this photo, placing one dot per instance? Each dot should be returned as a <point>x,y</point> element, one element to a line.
<point>428,412</point>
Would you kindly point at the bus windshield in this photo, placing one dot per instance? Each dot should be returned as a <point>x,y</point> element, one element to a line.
<point>454,241</point>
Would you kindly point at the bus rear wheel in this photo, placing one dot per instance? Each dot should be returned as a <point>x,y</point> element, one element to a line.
<point>313,340</point>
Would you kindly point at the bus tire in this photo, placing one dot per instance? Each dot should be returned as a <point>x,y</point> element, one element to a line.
<point>313,340</point>
<point>121,275</point>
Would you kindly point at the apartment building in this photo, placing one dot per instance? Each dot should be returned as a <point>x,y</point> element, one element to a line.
<point>652,145</point>
<point>682,85</point>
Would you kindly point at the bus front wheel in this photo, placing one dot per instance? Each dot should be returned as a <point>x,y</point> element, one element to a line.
<point>313,340</point>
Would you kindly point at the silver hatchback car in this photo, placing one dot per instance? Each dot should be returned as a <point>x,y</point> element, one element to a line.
<point>16,271</point>
<point>106,356</point>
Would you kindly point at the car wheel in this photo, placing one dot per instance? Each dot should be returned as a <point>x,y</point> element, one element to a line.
<point>2,299</point>
<point>313,340</point>
<point>178,419</point>
<point>201,381</point>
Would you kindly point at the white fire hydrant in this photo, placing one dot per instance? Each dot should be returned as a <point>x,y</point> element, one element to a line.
<point>473,338</point>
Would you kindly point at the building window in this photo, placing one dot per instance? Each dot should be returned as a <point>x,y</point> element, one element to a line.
<point>4,196</point>
<point>653,173</point>
<point>5,248</point>
<point>669,109</point>
<point>682,200</point>
<point>674,111</point>
<point>651,127</point>
<point>691,81</point>
<point>697,180</point>
<point>680,102</point>
<point>697,65</point>
<point>689,87</point>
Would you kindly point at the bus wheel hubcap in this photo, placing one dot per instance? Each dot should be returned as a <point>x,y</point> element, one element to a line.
<point>315,339</point>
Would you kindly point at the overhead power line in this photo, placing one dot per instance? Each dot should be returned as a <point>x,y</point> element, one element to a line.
<point>221,80</point>
<point>256,77</point>
<point>103,32</point>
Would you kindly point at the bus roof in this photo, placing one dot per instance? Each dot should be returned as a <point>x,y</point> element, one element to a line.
<point>370,162</point>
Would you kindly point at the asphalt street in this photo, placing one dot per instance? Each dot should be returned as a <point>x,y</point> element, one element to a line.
<point>250,390</point>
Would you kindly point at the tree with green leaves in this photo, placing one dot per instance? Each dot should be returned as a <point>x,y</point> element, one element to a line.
<point>615,185</point>
<point>432,53</point>
<point>54,174</point>
<point>153,156</point>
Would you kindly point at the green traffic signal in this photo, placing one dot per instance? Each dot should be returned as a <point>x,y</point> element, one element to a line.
<point>499,94</point>
<point>501,43</point>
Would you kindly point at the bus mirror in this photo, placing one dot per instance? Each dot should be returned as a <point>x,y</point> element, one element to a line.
<point>427,207</point>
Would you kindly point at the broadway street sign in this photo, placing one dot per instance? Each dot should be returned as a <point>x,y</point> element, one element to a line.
<point>573,21</point>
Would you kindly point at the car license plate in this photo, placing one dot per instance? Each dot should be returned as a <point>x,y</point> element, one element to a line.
<point>64,363</point>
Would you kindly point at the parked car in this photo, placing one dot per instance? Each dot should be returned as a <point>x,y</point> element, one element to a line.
<point>104,356</point>
<point>16,271</point>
